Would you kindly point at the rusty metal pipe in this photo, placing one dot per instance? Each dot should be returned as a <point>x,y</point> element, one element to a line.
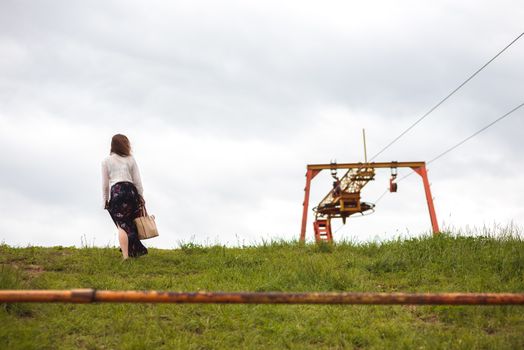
<point>105,296</point>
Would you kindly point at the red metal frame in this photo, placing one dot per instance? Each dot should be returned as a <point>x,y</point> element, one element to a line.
<point>309,176</point>
<point>418,167</point>
<point>429,198</point>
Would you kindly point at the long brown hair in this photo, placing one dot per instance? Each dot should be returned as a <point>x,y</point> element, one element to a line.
<point>120,145</point>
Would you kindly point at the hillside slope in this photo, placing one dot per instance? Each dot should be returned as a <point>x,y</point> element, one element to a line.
<point>443,264</point>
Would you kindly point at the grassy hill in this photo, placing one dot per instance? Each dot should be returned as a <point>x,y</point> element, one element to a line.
<point>447,263</point>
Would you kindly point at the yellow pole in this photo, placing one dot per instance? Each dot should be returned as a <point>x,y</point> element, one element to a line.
<point>365,150</point>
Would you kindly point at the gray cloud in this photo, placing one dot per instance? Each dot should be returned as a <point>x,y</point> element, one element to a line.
<point>227,104</point>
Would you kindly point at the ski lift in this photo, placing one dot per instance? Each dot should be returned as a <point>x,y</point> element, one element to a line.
<point>344,199</point>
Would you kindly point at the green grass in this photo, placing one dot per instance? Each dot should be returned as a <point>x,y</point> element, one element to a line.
<point>449,263</point>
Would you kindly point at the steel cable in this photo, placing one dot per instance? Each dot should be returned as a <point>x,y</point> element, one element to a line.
<point>447,97</point>
<point>452,148</point>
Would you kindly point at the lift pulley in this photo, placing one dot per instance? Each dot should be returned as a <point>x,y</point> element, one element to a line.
<point>393,186</point>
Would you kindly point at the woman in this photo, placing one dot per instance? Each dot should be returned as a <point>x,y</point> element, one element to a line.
<point>122,190</point>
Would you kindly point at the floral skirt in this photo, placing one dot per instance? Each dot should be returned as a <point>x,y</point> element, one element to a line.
<point>124,206</point>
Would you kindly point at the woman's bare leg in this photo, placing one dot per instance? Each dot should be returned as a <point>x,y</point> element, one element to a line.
<point>122,238</point>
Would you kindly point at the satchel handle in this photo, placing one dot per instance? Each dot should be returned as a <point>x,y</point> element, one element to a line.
<point>143,205</point>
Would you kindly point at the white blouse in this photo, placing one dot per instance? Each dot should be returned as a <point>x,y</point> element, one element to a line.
<point>117,169</point>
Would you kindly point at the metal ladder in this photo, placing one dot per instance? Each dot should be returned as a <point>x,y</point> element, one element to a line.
<point>322,229</point>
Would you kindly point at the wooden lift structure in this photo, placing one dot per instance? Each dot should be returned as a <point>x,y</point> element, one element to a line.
<point>344,199</point>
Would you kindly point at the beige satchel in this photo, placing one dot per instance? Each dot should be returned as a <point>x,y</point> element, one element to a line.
<point>146,225</point>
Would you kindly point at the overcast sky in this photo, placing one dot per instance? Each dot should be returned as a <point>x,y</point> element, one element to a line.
<point>226,102</point>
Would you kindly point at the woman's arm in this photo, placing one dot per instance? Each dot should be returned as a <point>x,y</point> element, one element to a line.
<point>105,183</point>
<point>135,175</point>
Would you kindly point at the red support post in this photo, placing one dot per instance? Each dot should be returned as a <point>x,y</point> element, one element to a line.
<point>309,176</point>
<point>424,174</point>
